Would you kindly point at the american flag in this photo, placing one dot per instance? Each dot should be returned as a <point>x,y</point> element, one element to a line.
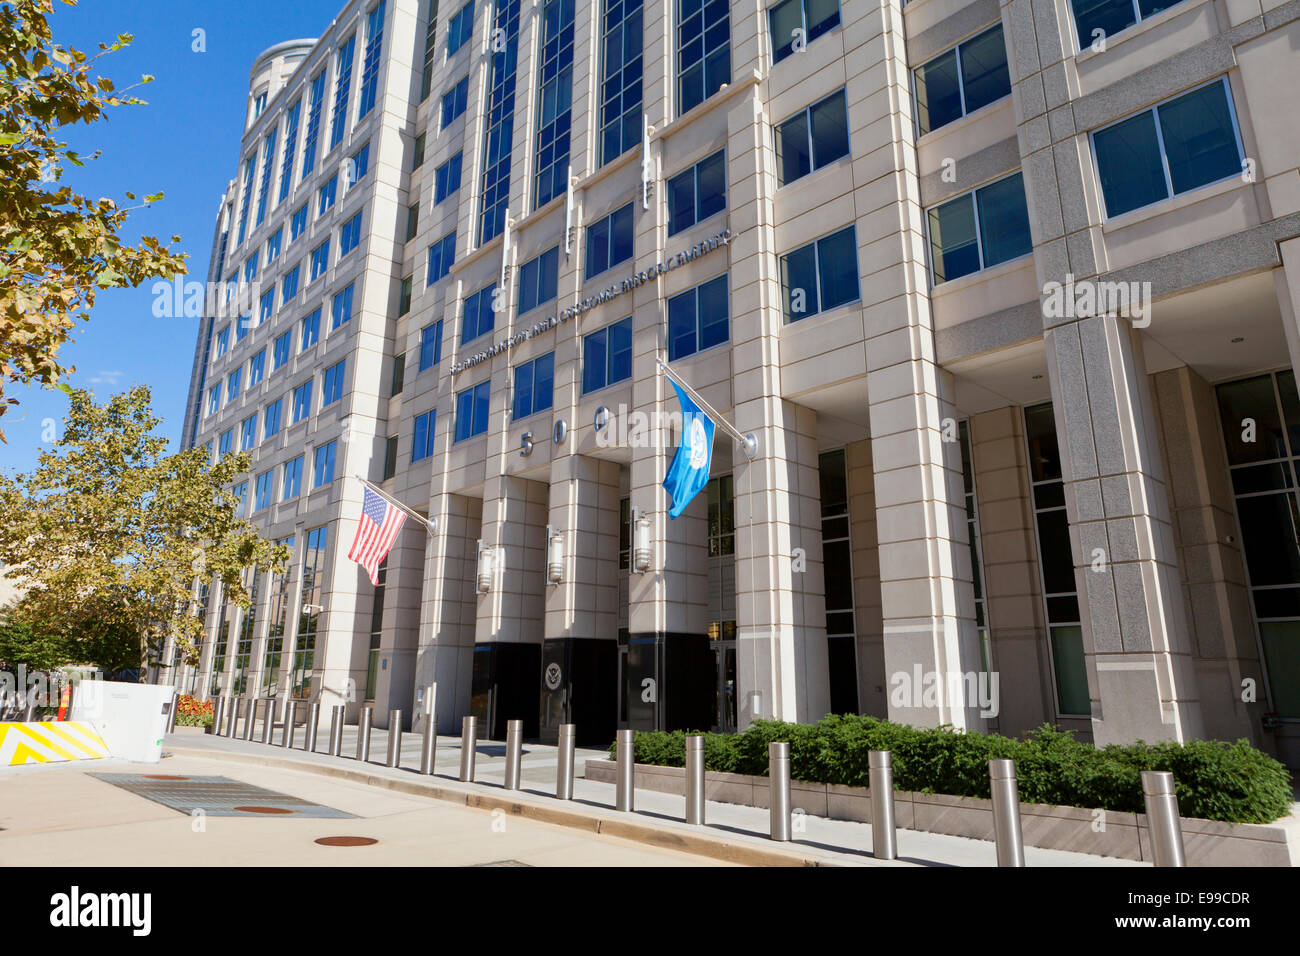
<point>376,532</point>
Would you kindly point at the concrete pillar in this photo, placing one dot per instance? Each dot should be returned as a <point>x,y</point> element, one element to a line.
<point>1136,643</point>
<point>1013,599</point>
<point>580,651</point>
<point>448,608</point>
<point>872,685</point>
<point>1220,625</point>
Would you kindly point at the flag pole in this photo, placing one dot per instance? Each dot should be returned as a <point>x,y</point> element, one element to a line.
<point>430,525</point>
<point>748,442</point>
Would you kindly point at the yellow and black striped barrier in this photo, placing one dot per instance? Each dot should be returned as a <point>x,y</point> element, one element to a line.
<point>49,742</point>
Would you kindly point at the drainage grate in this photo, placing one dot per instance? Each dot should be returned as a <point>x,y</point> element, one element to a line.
<point>504,863</point>
<point>216,796</point>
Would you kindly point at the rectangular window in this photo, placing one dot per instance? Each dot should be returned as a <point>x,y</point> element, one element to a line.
<point>323,465</point>
<point>454,102</point>
<point>245,197</point>
<point>341,308</point>
<point>289,285</point>
<point>298,223</point>
<point>342,88</point>
<point>609,241</point>
<point>979,229</point>
<point>976,547</point>
<point>812,138</point>
<point>697,193</point>
<point>290,145</point>
<point>248,433</point>
<point>273,246</point>
<point>226,443</point>
<point>498,128</point>
<point>233,384</point>
<point>325,198</point>
<point>534,386</point>
<point>431,345</point>
<point>820,276</point>
<point>555,100</point>
<point>968,77</point>
<point>240,491</point>
<point>358,166</point>
<point>310,330</point>
<point>256,367</point>
<point>271,419</point>
<point>280,351</point>
<point>302,401</point>
<point>370,62</point>
<point>698,318</point>
<point>320,260</point>
<point>430,51</point>
<point>620,90</point>
<point>478,317</point>
<point>266,307</point>
<point>538,279</point>
<point>404,296</point>
<point>263,489</point>
<point>242,326</point>
<point>350,235</point>
<point>250,267</point>
<point>313,603</point>
<point>417,152</point>
<point>313,124</point>
<point>1172,148</point>
<point>460,28</point>
<point>332,386</point>
<point>811,18</point>
<point>441,255</point>
<point>398,380</point>
<point>292,485</point>
<point>1112,16</point>
<point>214,399</point>
<point>607,355</point>
<point>446,179</point>
<point>268,167</point>
<point>390,457</point>
<point>422,445</point>
<point>472,410</point>
<point>703,51</point>
<point>412,220</point>
<point>223,341</point>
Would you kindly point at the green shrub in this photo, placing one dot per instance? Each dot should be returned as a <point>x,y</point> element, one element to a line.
<point>1215,780</point>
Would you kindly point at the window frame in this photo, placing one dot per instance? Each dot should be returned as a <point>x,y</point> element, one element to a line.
<point>955,49</point>
<point>979,240</point>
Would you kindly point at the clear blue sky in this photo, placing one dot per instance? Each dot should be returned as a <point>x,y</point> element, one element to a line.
<point>184,143</point>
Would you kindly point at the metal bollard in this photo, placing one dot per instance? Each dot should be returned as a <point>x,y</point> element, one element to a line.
<point>1006,813</point>
<point>695,780</point>
<point>468,743</point>
<point>272,706</point>
<point>363,734</point>
<point>171,717</point>
<point>778,772</point>
<point>394,739</point>
<point>1163,823</point>
<point>29,713</point>
<point>233,726</point>
<point>564,769</point>
<point>884,836</point>
<point>250,720</point>
<point>514,752</point>
<point>623,796</point>
<point>336,730</point>
<point>313,726</point>
<point>290,713</point>
<point>429,745</point>
<point>218,712</point>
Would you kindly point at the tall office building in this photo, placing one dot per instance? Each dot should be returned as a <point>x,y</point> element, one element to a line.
<point>1006,293</point>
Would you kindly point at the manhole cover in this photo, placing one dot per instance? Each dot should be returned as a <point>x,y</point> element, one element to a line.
<point>263,810</point>
<point>347,841</point>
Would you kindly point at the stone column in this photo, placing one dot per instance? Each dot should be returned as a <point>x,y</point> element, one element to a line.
<point>1136,643</point>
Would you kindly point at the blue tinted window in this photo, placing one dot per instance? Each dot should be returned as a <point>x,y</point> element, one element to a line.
<point>698,318</point>
<point>454,102</point>
<point>620,89</point>
<point>460,28</point>
<point>820,275</point>
<point>298,223</point>
<point>538,279</point>
<point>341,309</point>
<point>498,132</point>
<point>607,356</point>
<point>697,193</point>
<point>310,329</point>
<point>609,241</point>
<point>431,345</point>
<point>323,466</point>
<point>280,351</point>
<point>441,256</point>
<point>812,138</point>
<point>302,401</point>
<point>313,123</point>
<point>422,445</point>
<point>342,88</point>
<point>959,247</point>
<point>289,285</point>
<point>256,366</point>
<point>332,386</point>
<point>271,419</point>
<point>555,100</point>
<point>446,179</point>
<point>370,62</point>
<point>350,235</point>
<point>811,18</point>
<point>534,386</point>
<point>703,50</point>
<point>961,80</point>
<point>292,479</point>
<point>479,317</point>
<point>472,411</point>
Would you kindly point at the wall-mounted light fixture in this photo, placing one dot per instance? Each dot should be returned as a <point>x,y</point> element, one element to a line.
<point>642,549</point>
<point>554,555</point>
<point>487,565</point>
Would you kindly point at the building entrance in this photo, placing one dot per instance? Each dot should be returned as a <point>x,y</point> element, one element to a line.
<point>724,686</point>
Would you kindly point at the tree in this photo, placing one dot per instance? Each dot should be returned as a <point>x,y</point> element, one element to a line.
<point>109,534</point>
<point>22,646</point>
<point>57,248</point>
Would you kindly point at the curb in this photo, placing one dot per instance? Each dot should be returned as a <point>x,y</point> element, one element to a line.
<point>697,844</point>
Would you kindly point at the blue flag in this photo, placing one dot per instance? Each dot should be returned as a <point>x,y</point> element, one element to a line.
<point>689,472</point>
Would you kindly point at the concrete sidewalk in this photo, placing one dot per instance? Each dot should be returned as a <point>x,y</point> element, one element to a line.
<point>732,833</point>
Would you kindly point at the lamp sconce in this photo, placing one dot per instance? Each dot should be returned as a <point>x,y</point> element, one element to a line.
<point>642,549</point>
<point>487,566</point>
<point>554,556</point>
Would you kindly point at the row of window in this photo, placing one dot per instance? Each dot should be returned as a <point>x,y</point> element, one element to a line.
<point>267,490</point>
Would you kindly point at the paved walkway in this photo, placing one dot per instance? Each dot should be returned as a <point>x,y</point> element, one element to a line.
<point>732,832</point>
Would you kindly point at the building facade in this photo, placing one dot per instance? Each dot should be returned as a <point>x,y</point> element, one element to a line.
<point>1006,294</point>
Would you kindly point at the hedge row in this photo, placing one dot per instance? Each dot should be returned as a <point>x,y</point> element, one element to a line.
<point>1215,780</point>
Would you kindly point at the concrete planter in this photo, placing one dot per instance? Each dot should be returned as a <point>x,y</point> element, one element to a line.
<point>1100,832</point>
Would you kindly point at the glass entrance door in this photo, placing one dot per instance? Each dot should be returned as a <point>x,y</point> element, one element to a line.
<point>724,694</point>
